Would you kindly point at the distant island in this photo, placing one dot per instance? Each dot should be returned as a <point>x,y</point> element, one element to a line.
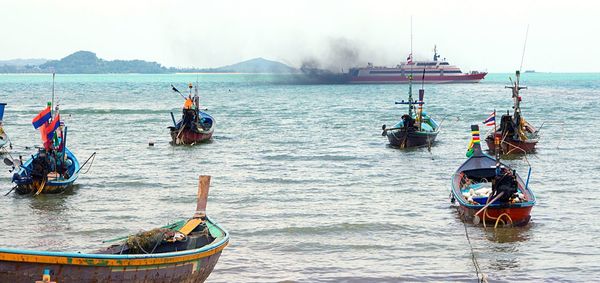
<point>86,62</point>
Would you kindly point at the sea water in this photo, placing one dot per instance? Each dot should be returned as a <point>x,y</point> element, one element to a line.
<point>303,179</point>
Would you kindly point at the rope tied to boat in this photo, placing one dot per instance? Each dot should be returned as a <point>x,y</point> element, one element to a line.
<point>480,278</point>
<point>503,223</point>
<point>93,157</point>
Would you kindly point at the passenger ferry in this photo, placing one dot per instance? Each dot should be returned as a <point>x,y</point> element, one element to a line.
<point>435,72</point>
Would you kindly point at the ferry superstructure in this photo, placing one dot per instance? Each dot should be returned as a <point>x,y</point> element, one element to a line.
<point>436,71</point>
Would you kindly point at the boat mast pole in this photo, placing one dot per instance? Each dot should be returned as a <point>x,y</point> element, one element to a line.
<point>410,100</point>
<point>517,104</point>
<point>410,78</point>
<point>517,113</point>
<point>52,103</point>
<point>524,45</point>
<point>411,39</point>
<point>496,141</point>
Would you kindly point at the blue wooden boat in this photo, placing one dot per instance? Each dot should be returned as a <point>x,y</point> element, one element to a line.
<point>32,180</point>
<point>53,168</point>
<point>173,258</point>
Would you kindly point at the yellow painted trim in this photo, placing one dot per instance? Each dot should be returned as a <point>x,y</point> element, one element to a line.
<point>107,262</point>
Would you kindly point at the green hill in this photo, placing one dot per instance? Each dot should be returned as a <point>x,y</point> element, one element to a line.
<point>85,62</point>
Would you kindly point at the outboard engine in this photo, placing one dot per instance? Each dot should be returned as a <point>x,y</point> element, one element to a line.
<point>189,118</point>
<point>507,184</point>
<point>408,121</point>
<point>507,127</point>
<point>40,166</point>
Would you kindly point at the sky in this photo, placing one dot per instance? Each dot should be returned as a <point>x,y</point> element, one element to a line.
<point>563,36</point>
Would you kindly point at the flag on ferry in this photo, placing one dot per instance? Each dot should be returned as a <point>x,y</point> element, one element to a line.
<point>41,118</point>
<point>50,129</point>
<point>409,59</point>
<point>491,120</point>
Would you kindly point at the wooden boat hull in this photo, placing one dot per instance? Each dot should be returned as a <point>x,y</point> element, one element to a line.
<point>519,213</point>
<point>404,139</point>
<point>510,146</point>
<point>196,270</point>
<point>184,266</point>
<point>52,186</point>
<point>33,187</point>
<point>520,216</point>
<point>189,137</point>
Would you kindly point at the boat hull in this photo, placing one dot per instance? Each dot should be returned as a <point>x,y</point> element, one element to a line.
<point>404,139</point>
<point>189,137</point>
<point>48,189</point>
<point>183,266</point>
<point>400,79</point>
<point>520,216</point>
<point>194,270</point>
<point>519,213</point>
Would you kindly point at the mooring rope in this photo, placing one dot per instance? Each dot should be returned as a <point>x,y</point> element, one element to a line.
<point>91,163</point>
<point>483,277</point>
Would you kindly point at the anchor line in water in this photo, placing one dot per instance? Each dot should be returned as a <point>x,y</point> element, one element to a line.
<point>91,163</point>
<point>92,157</point>
<point>483,278</point>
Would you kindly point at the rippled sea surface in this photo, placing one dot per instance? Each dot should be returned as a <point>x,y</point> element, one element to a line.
<point>304,181</point>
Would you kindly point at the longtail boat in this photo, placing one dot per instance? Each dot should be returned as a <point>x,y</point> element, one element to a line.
<point>53,168</point>
<point>415,128</point>
<point>4,139</point>
<point>185,251</point>
<point>515,133</point>
<point>35,176</point>
<point>486,189</point>
<point>195,125</point>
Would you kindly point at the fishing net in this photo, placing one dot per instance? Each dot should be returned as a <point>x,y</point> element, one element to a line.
<point>147,241</point>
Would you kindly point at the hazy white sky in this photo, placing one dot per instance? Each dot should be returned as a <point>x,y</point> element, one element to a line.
<point>483,35</point>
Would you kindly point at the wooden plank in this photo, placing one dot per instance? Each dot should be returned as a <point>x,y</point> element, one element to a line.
<point>190,226</point>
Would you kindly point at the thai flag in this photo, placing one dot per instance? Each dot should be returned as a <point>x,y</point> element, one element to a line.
<point>490,121</point>
<point>41,118</point>
<point>51,128</point>
<point>409,59</point>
